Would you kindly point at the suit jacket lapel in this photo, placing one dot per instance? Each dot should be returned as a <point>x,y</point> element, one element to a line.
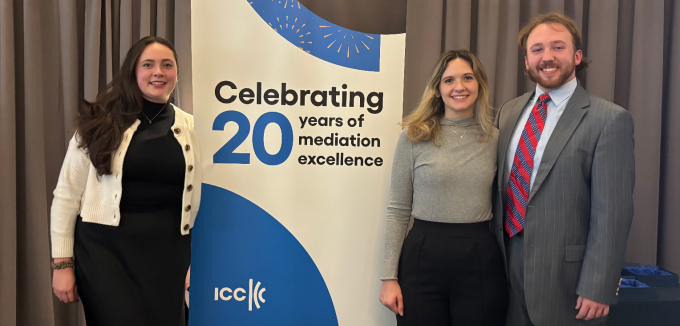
<point>507,127</point>
<point>570,119</point>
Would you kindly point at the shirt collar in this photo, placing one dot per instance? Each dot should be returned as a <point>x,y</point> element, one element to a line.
<point>560,94</point>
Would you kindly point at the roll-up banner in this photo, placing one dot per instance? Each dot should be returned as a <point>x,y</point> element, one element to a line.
<point>297,120</point>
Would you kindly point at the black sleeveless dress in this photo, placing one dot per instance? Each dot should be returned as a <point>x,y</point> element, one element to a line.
<point>133,274</point>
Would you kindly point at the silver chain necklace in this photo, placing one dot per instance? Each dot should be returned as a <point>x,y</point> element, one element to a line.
<point>154,117</point>
<point>459,135</point>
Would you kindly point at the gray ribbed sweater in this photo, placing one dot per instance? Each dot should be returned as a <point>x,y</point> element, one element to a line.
<point>451,183</point>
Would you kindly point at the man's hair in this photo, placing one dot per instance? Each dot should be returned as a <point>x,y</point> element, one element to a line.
<point>555,18</point>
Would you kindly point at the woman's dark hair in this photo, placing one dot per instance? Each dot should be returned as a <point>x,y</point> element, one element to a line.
<point>101,124</point>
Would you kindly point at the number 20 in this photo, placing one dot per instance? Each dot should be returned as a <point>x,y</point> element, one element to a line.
<point>226,155</point>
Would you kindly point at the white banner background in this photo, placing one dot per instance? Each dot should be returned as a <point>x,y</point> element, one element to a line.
<point>335,212</point>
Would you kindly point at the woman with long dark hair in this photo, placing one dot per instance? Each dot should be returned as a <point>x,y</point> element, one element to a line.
<point>127,197</point>
<point>449,270</point>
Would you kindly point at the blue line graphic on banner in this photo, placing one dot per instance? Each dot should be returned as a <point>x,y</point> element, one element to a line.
<point>258,273</point>
<point>319,37</point>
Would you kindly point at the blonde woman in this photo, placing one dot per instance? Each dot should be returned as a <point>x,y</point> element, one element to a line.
<point>449,270</point>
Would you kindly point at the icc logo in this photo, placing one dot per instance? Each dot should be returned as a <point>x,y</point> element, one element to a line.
<point>254,295</point>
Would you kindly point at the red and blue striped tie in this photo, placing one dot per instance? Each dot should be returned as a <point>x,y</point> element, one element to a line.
<point>520,176</point>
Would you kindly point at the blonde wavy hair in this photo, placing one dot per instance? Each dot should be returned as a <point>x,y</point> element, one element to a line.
<point>423,122</point>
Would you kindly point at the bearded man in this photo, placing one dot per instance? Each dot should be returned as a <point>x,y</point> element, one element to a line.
<point>564,194</point>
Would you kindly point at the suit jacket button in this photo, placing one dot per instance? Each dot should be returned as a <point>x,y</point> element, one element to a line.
<point>190,187</point>
<point>191,167</point>
<point>188,208</point>
<point>177,131</point>
<point>186,227</point>
<point>500,228</point>
<point>187,147</point>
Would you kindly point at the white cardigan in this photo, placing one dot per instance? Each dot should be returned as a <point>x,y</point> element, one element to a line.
<point>97,200</point>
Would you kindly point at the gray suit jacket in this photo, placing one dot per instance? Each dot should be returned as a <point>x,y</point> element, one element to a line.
<point>580,206</point>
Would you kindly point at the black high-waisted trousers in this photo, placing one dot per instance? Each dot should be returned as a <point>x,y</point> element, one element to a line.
<point>452,274</point>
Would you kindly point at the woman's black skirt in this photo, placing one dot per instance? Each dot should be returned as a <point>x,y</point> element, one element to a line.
<point>133,274</point>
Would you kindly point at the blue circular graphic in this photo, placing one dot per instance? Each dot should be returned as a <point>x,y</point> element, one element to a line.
<point>248,269</point>
<point>319,37</point>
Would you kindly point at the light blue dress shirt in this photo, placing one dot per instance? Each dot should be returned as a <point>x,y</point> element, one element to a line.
<point>559,98</point>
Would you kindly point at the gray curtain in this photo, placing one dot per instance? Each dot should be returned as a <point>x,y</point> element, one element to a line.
<point>634,48</point>
<point>53,53</point>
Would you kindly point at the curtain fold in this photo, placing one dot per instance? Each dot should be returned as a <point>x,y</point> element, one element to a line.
<point>8,165</point>
<point>53,53</point>
<point>645,105</point>
<point>669,205</point>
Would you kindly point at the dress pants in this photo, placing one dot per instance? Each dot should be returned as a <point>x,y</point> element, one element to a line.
<point>518,314</point>
<point>452,274</point>
<point>517,306</point>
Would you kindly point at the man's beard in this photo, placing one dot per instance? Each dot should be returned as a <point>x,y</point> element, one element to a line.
<point>565,73</point>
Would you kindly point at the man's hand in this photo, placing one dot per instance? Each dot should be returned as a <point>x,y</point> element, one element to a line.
<point>590,309</point>
<point>390,296</point>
